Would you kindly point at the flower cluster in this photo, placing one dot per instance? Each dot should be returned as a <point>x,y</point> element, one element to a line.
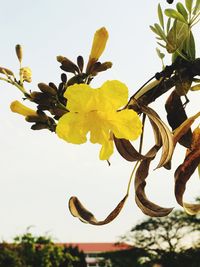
<point>78,112</point>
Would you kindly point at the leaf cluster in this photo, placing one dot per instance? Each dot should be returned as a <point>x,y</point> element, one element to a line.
<point>30,251</point>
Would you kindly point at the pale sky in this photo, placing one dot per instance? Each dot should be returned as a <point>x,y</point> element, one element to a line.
<point>39,172</point>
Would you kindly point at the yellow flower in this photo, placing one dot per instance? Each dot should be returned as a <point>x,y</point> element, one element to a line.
<point>25,74</point>
<point>96,111</point>
<point>21,109</point>
<point>98,45</point>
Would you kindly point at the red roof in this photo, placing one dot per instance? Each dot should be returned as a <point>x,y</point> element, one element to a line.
<point>99,247</point>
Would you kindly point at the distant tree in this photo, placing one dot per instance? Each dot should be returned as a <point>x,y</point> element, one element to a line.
<point>8,256</point>
<point>165,233</point>
<point>30,251</point>
<point>171,239</point>
<point>125,258</point>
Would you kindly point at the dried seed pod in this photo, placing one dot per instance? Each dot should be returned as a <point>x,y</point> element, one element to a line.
<point>176,115</point>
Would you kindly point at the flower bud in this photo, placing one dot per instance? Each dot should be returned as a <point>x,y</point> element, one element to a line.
<point>6,71</point>
<point>19,52</point>
<point>21,109</point>
<point>98,46</point>
<point>25,74</point>
<point>99,43</point>
<point>47,89</point>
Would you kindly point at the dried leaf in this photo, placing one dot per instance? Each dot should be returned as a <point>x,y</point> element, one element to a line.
<point>78,210</point>
<point>166,136</point>
<point>195,87</point>
<point>148,207</point>
<point>127,150</point>
<point>184,127</point>
<point>187,168</point>
<point>191,209</point>
<point>176,115</point>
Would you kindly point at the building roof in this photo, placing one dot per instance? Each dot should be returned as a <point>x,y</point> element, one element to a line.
<point>99,247</point>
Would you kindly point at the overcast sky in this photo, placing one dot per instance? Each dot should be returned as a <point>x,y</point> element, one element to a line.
<point>39,172</point>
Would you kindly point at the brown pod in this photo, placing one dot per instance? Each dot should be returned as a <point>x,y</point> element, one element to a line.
<point>176,115</point>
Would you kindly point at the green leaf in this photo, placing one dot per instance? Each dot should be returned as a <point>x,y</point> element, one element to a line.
<point>153,29</point>
<point>188,4</point>
<point>163,46</point>
<point>160,32</point>
<point>176,36</point>
<point>160,16</point>
<point>172,13</point>
<point>168,24</point>
<point>199,170</point>
<point>181,9</point>
<point>161,55</point>
<point>197,7</point>
<point>191,46</point>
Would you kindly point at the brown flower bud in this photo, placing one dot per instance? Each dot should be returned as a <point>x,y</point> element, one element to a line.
<point>47,89</point>
<point>80,62</point>
<point>6,71</point>
<point>19,52</point>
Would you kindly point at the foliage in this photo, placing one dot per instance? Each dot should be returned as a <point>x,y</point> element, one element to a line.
<point>30,251</point>
<point>73,108</point>
<point>124,258</point>
<point>174,240</point>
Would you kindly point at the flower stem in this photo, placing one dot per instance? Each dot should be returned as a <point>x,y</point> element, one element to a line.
<point>131,177</point>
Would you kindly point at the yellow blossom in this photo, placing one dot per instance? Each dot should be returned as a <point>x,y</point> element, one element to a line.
<point>21,109</point>
<point>96,111</point>
<point>98,46</point>
<point>25,74</point>
<point>99,43</point>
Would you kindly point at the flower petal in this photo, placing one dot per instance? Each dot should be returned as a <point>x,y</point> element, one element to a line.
<point>112,95</point>
<point>80,98</point>
<point>106,150</point>
<point>125,124</point>
<point>72,128</point>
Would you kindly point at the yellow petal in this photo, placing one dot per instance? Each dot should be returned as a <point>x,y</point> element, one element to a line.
<point>72,128</point>
<point>99,128</point>
<point>112,95</point>
<point>125,124</point>
<point>26,74</point>
<point>106,150</point>
<point>21,109</point>
<point>99,43</point>
<point>81,98</point>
